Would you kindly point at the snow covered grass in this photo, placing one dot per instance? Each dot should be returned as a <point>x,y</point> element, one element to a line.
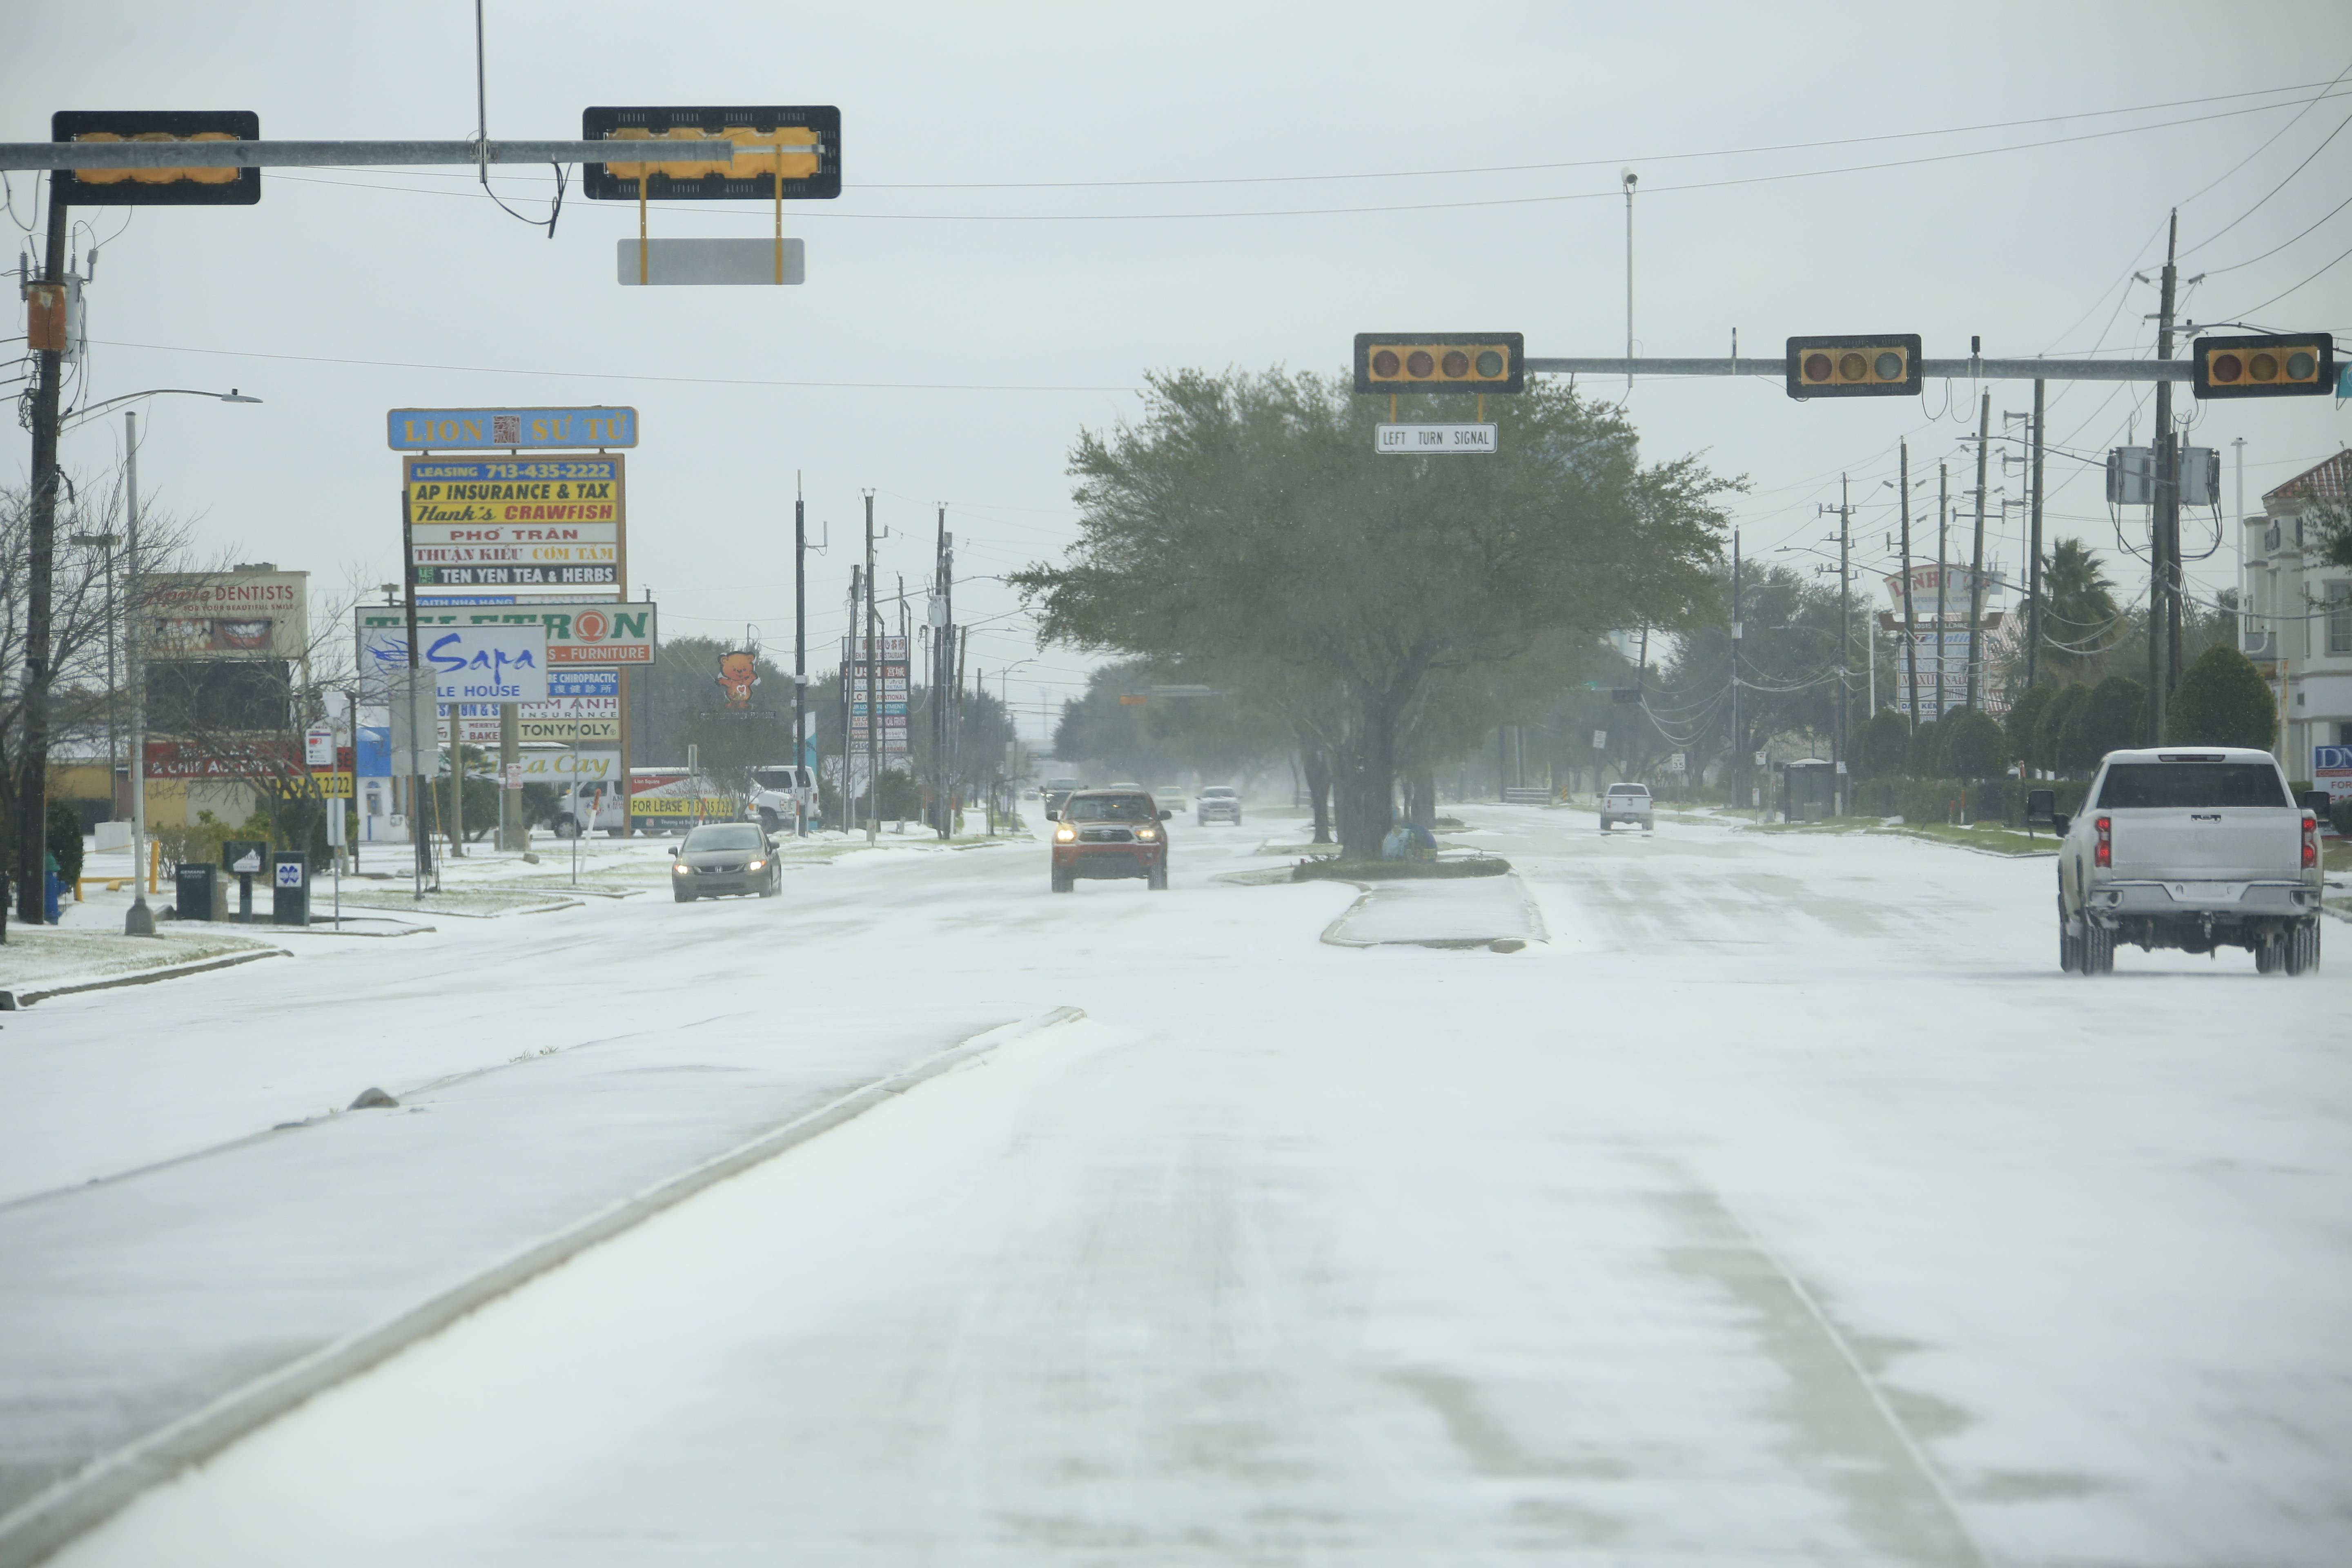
<point>40,956</point>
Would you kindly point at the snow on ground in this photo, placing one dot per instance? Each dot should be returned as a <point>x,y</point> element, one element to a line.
<point>1788,1204</point>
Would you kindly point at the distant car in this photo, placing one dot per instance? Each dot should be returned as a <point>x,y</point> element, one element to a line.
<point>1171,800</point>
<point>721,857</point>
<point>1110,833</point>
<point>1054,799</point>
<point>1627,803</point>
<point>1217,803</point>
<point>1053,787</point>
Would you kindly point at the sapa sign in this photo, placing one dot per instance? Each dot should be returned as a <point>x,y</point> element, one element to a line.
<point>469,664</point>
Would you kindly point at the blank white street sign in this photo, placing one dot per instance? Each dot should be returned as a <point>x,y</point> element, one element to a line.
<point>711,261</point>
<point>1427,440</point>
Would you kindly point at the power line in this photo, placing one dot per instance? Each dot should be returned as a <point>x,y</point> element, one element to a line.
<point>1612,194</point>
<point>2274,190</point>
<point>610,375</point>
<point>2283,293</point>
<point>2274,249</point>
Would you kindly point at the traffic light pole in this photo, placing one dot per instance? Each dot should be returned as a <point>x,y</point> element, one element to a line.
<point>33,769</point>
<point>1974,368</point>
<point>14,155</point>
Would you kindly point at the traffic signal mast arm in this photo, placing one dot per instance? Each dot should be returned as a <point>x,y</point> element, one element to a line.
<point>16,155</point>
<point>1943,369</point>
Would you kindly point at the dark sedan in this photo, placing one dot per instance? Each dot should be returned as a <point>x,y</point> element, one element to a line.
<point>725,857</point>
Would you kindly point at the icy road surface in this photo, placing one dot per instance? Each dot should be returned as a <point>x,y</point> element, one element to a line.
<point>1787,1205</point>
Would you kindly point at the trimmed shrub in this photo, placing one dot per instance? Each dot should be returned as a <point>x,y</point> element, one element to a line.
<point>65,841</point>
<point>2111,718</point>
<point>1973,746</point>
<point>2221,701</point>
<point>2051,739</point>
<point>1882,748</point>
<point>2024,718</point>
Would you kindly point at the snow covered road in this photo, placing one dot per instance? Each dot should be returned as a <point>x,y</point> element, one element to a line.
<point>1786,1205</point>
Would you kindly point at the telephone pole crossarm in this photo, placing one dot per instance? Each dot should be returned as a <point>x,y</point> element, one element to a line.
<point>1945,368</point>
<point>14,155</point>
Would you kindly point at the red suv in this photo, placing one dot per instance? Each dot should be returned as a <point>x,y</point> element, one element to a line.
<point>1109,833</point>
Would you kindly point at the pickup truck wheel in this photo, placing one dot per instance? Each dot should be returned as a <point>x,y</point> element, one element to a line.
<point>2070,958</point>
<point>1063,883</point>
<point>2269,954</point>
<point>2303,948</point>
<point>2098,949</point>
<point>1156,880</point>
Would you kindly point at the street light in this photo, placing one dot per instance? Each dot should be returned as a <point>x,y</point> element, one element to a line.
<point>140,920</point>
<point>231,395</point>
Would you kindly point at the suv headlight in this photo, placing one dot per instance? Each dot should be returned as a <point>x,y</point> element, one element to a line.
<point>1147,834</point>
<point>1066,836</point>
<point>678,868</point>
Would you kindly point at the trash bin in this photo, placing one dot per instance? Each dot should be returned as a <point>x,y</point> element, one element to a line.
<point>195,891</point>
<point>290,887</point>
<point>50,889</point>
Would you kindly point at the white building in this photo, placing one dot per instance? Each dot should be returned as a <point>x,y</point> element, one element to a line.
<point>2298,624</point>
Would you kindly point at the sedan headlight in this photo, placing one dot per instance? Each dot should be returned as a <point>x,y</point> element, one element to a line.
<point>679,870</point>
<point>757,865</point>
<point>1066,836</point>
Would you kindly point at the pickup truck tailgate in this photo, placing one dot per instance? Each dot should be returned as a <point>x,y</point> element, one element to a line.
<point>2216,843</point>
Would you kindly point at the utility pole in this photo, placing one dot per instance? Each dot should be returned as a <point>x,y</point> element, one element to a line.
<point>2238,546</point>
<point>1910,618</point>
<point>1943,575</point>
<point>1844,511</point>
<point>140,920</point>
<point>800,653</point>
<point>942,664</point>
<point>32,771</point>
<point>2164,555</point>
<point>848,686</point>
<point>1738,750</point>
<point>873,689</point>
<point>1975,562</point>
<point>2033,554</point>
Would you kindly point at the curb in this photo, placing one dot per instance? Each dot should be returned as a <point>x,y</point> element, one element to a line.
<point>66,1508</point>
<point>145,976</point>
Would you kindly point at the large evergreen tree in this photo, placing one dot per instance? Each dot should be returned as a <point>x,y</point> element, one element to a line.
<point>1246,520</point>
<point>2113,717</point>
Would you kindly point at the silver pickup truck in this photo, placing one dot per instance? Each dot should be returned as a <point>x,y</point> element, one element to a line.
<point>2194,847</point>
<point>1628,803</point>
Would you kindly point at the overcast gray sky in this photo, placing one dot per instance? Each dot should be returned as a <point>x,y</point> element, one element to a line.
<point>1044,203</point>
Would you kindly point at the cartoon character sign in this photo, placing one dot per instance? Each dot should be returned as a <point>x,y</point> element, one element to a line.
<point>737,674</point>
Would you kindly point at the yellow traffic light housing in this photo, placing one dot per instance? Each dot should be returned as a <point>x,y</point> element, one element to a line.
<point>1441,361</point>
<point>2299,365</point>
<point>222,186</point>
<point>784,153</point>
<point>1885,365</point>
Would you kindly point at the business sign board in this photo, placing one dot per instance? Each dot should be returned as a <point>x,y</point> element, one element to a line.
<point>469,663</point>
<point>2331,769</point>
<point>876,667</point>
<point>594,635</point>
<point>332,785</point>
<point>221,762</point>
<point>228,615</point>
<point>553,522</point>
<point>507,429</point>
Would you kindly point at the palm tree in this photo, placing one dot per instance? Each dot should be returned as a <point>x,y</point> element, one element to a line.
<point>2080,619</point>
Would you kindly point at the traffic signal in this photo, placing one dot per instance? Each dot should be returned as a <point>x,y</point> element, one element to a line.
<point>1886,365</point>
<point>1441,361</point>
<point>2300,364</point>
<point>800,144</point>
<point>220,186</point>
